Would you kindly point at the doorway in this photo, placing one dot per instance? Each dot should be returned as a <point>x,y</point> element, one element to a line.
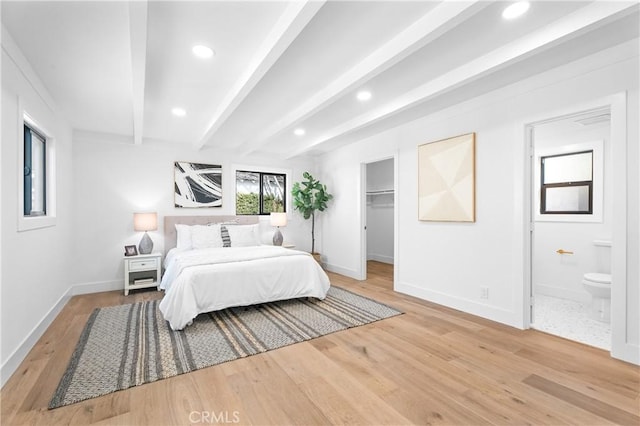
<point>572,228</point>
<point>379,218</point>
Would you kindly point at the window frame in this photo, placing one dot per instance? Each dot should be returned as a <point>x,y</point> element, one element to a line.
<point>48,219</point>
<point>600,151</point>
<point>574,184</point>
<point>28,162</point>
<point>261,174</point>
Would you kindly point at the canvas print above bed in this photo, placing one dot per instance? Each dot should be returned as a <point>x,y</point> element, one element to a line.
<point>197,184</point>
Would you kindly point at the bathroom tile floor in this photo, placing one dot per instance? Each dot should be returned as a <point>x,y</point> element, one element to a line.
<point>570,319</point>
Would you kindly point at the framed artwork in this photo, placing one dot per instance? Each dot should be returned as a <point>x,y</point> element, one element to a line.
<point>130,251</point>
<point>197,184</point>
<point>446,180</point>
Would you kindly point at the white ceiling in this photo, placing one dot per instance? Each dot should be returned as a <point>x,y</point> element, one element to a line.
<point>117,69</point>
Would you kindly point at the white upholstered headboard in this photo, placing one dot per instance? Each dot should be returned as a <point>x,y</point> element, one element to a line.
<point>171,221</point>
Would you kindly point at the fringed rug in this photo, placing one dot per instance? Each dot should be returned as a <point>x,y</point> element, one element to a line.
<point>129,345</point>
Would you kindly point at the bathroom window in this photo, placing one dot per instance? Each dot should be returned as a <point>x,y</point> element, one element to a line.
<point>566,185</point>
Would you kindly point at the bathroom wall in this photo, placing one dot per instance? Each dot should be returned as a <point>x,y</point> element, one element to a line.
<point>560,275</point>
<point>380,212</point>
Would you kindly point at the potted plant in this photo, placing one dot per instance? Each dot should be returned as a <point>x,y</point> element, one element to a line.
<point>309,197</point>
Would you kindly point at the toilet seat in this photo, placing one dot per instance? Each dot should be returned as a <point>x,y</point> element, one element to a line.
<point>597,277</point>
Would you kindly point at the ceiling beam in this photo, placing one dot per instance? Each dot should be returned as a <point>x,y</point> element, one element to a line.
<point>295,17</point>
<point>582,20</point>
<point>138,39</point>
<point>432,25</point>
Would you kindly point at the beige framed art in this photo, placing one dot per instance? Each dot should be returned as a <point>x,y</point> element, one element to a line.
<point>446,180</point>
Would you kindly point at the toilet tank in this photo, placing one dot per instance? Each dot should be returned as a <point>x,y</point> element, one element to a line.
<point>603,255</point>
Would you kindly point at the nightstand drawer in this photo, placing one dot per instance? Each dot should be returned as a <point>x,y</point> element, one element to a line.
<point>143,264</point>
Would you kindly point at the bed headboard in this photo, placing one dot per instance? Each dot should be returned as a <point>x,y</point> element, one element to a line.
<point>171,221</point>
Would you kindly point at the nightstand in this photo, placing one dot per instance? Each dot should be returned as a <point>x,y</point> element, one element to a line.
<point>142,271</point>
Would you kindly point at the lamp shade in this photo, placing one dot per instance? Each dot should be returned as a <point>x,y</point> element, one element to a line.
<point>278,219</point>
<point>145,221</point>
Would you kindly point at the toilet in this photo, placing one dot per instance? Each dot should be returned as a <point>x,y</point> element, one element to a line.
<point>598,284</point>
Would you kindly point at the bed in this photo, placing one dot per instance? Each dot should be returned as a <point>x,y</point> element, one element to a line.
<point>217,262</point>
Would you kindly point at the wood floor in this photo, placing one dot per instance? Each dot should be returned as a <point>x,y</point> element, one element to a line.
<point>431,365</point>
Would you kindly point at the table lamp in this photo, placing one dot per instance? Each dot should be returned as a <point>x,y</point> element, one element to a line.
<point>145,222</point>
<point>278,220</point>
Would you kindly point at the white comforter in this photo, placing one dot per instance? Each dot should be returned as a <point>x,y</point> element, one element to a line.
<point>207,280</point>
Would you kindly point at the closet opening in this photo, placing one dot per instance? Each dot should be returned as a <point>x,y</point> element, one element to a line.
<point>378,245</point>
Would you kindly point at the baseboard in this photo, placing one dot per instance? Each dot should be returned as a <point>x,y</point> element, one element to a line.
<point>465,305</point>
<point>380,258</point>
<point>342,271</point>
<point>562,293</point>
<point>13,361</point>
<point>97,287</point>
<point>627,352</point>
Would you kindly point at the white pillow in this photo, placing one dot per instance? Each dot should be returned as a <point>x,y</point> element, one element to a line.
<point>183,237</point>
<point>206,236</point>
<point>244,235</point>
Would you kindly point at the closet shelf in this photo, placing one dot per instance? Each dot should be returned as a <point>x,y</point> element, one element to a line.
<point>380,192</point>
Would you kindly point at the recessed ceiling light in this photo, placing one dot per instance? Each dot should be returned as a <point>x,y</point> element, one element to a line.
<point>299,132</point>
<point>179,112</point>
<point>515,10</point>
<point>202,51</point>
<point>363,95</point>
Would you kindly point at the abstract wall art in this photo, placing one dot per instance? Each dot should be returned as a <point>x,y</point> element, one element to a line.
<point>446,180</point>
<point>197,185</point>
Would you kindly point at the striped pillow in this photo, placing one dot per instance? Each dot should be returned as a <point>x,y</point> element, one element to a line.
<point>224,233</point>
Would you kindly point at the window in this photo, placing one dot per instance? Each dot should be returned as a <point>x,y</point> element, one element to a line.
<point>260,193</point>
<point>35,173</point>
<point>566,185</point>
<point>36,206</point>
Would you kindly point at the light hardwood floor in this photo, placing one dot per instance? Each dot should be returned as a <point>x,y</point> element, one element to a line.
<point>431,365</point>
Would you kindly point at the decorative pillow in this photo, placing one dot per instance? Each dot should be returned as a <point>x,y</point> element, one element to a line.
<point>244,235</point>
<point>205,236</point>
<point>183,237</point>
<point>224,233</point>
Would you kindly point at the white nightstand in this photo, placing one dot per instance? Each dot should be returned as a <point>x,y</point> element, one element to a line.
<point>142,271</point>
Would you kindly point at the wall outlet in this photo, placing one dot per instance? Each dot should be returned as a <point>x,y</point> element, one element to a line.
<point>484,292</point>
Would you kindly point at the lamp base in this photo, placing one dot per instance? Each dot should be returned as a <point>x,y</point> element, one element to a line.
<point>277,237</point>
<point>146,245</point>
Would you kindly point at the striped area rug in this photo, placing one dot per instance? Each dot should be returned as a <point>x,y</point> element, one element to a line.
<point>129,345</point>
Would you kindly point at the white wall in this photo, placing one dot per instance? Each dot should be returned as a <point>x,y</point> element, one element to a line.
<point>380,211</point>
<point>35,263</point>
<point>114,180</point>
<point>561,275</point>
<point>449,262</point>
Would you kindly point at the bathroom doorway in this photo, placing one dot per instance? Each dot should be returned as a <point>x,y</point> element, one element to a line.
<point>572,224</point>
<point>379,219</point>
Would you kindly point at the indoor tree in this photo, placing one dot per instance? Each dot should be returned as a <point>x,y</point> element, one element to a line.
<point>310,196</point>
